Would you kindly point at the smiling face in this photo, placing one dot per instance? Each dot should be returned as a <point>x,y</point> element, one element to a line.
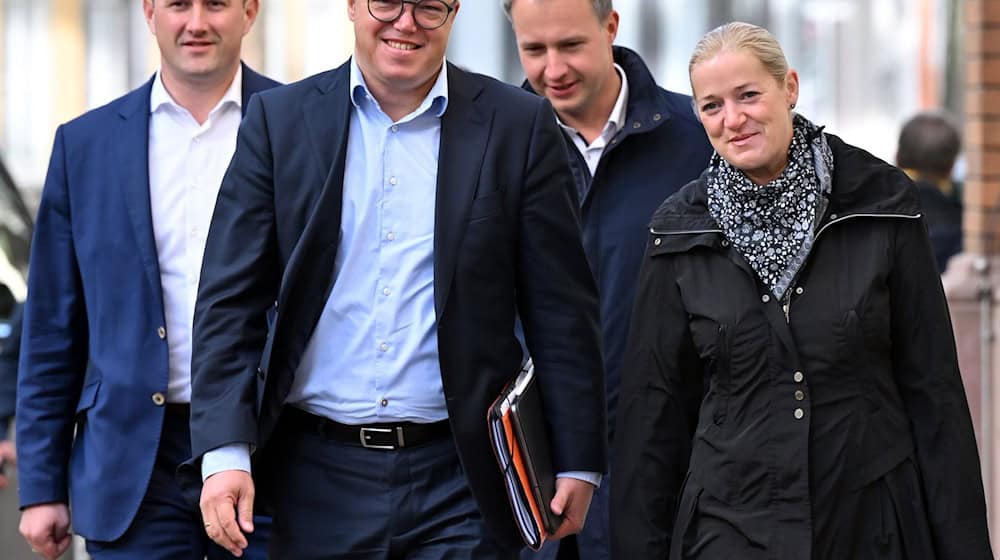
<point>746,112</point>
<point>565,50</point>
<point>199,40</point>
<point>398,58</point>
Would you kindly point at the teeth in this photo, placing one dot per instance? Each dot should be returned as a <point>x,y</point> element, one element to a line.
<point>401,46</point>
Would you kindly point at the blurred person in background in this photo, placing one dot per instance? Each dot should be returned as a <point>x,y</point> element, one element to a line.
<point>929,144</point>
<point>791,386</point>
<point>104,385</point>
<point>631,145</point>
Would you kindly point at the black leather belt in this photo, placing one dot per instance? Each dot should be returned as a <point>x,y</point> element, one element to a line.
<point>371,436</point>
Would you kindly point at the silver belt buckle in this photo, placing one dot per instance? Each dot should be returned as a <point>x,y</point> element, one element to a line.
<point>364,438</point>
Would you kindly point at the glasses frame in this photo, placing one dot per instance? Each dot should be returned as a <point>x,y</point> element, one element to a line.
<point>402,8</point>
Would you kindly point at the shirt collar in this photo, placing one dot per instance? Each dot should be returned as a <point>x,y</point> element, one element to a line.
<point>435,103</point>
<point>616,120</point>
<point>159,96</point>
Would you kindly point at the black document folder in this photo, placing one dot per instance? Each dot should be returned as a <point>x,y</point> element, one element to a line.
<point>520,440</point>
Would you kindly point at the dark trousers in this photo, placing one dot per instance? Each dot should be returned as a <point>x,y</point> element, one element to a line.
<point>168,526</point>
<point>592,543</point>
<point>334,500</point>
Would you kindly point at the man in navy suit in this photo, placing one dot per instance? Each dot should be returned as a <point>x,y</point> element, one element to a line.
<point>401,214</point>
<point>104,384</point>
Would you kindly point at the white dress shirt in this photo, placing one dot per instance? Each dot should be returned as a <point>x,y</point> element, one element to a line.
<point>186,163</point>
<point>616,121</point>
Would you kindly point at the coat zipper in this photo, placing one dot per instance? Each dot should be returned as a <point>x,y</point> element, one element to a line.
<point>788,306</point>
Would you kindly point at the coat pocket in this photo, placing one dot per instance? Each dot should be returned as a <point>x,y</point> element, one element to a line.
<point>722,375</point>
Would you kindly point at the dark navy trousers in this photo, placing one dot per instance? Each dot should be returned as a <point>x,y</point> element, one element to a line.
<point>337,501</point>
<point>168,526</point>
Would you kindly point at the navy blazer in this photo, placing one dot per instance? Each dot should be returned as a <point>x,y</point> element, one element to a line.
<point>507,241</point>
<point>94,352</point>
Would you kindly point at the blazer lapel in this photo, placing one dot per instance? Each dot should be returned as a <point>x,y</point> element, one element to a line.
<point>133,178</point>
<point>326,118</point>
<point>465,129</point>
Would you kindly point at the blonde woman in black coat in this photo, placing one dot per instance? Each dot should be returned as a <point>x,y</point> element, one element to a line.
<point>791,389</point>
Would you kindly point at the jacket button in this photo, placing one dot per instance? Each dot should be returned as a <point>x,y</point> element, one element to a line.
<point>657,241</point>
<point>798,377</point>
<point>799,413</point>
<point>799,395</point>
<point>765,298</point>
<point>159,399</point>
<point>162,333</point>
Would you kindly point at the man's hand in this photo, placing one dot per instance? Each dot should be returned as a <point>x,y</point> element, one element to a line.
<point>46,528</point>
<point>227,509</point>
<point>572,500</point>
<point>7,459</point>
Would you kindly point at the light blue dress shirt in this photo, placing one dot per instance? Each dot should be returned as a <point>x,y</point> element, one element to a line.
<point>373,356</point>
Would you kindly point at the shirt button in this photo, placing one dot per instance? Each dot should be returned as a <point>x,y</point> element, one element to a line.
<point>390,236</point>
<point>392,181</point>
<point>765,298</point>
<point>395,128</point>
<point>799,395</point>
<point>386,291</point>
<point>162,333</point>
<point>159,399</point>
<point>798,377</point>
<point>383,347</point>
<point>385,402</point>
<point>799,413</point>
<point>799,290</point>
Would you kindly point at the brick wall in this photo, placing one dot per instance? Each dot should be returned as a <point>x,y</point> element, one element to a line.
<point>982,126</point>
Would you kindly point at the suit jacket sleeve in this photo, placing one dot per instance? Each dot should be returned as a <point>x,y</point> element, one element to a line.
<point>54,345</point>
<point>925,366</point>
<point>239,282</point>
<point>557,302</point>
<point>660,398</point>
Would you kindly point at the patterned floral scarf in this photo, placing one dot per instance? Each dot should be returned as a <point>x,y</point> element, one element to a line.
<point>773,226</point>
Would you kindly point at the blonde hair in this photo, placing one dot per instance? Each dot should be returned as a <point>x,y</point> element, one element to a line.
<point>741,36</point>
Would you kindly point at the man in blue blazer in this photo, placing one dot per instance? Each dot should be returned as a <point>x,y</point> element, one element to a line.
<point>103,392</point>
<point>401,213</point>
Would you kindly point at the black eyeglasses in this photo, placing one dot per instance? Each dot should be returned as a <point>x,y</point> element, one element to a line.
<point>428,14</point>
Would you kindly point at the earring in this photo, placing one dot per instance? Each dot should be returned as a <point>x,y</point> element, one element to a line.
<point>792,106</point>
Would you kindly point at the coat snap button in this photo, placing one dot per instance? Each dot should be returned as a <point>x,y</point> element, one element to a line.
<point>799,395</point>
<point>657,241</point>
<point>765,298</point>
<point>799,290</point>
<point>159,399</point>
<point>798,377</point>
<point>162,333</point>
<point>799,413</point>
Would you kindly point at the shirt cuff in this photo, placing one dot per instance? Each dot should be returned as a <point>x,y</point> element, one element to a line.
<point>232,457</point>
<point>591,477</point>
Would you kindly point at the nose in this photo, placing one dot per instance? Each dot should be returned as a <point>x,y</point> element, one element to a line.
<point>555,66</point>
<point>734,117</point>
<point>197,21</point>
<point>407,21</point>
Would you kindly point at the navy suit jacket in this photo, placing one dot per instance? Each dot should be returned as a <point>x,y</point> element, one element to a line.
<point>93,352</point>
<point>507,241</point>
